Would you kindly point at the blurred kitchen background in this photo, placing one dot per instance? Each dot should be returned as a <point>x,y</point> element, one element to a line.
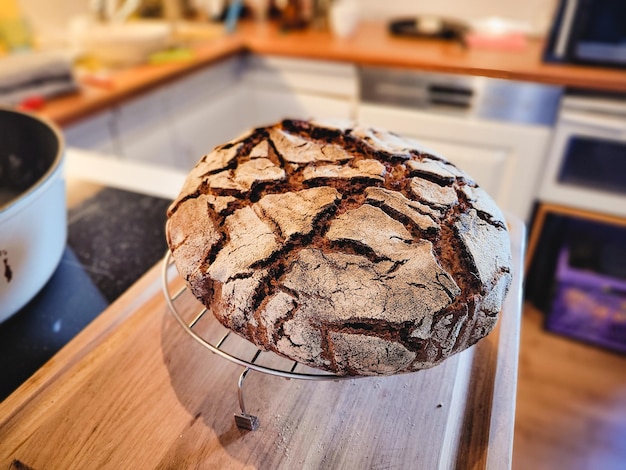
<point>51,17</point>
<point>528,97</point>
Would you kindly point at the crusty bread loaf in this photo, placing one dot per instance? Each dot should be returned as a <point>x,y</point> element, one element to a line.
<point>344,248</point>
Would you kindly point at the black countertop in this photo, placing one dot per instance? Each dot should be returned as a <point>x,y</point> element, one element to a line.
<point>114,237</point>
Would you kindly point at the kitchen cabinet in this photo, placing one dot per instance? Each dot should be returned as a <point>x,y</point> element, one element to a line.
<point>314,77</point>
<point>198,129</point>
<point>274,105</point>
<point>219,103</point>
<point>178,123</point>
<point>95,133</point>
<point>505,159</point>
<point>205,109</point>
<point>173,125</point>
<point>301,89</point>
<point>144,130</point>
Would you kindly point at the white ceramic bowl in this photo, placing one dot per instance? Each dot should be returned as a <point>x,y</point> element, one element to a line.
<point>33,219</point>
<point>121,44</point>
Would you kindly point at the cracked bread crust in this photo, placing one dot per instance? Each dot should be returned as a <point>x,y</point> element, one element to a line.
<point>344,248</point>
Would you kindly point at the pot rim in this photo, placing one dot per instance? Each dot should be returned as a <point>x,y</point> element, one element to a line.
<point>23,197</point>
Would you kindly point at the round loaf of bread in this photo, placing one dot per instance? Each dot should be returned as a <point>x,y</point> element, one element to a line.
<point>344,248</point>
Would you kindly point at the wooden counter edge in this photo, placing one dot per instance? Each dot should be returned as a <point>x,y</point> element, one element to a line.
<point>372,45</point>
<point>503,419</point>
<point>127,83</point>
<point>499,366</point>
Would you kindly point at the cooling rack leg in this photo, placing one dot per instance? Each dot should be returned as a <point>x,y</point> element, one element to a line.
<point>243,420</point>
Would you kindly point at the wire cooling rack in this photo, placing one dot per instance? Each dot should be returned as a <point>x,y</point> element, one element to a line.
<point>290,370</point>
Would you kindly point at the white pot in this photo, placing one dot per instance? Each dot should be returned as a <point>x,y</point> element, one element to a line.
<point>33,223</point>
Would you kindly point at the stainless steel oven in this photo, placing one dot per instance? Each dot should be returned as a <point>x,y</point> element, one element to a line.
<point>586,165</point>
<point>496,130</point>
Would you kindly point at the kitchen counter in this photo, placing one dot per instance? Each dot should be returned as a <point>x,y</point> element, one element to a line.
<point>371,45</point>
<point>133,390</point>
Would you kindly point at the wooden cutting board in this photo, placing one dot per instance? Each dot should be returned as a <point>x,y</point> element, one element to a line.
<point>134,390</point>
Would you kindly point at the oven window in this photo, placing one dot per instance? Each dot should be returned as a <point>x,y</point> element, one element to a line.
<point>604,21</point>
<point>595,163</point>
<point>601,31</point>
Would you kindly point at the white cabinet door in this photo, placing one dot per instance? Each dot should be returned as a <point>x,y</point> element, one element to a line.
<point>198,129</point>
<point>485,165</point>
<point>316,77</point>
<point>207,108</point>
<point>301,89</point>
<point>275,105</point>
<point>93,133</point>
<point>202,86</point>
<point>506,159</point>
<point>143,129</point>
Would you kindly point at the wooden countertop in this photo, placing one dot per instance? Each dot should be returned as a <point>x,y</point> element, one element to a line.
<point>133,390</point>
<point>135,80</point>
<point>371,45</point>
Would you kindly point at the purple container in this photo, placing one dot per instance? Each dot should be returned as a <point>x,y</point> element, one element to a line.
<point>588,306</point>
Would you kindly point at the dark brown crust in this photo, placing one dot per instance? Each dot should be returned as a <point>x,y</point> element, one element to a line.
<point>418,203</point>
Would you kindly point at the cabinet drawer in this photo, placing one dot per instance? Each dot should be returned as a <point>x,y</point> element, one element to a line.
<point>272,105</point>
<point>143,129</point>
<point>310,76</point>
<point>93,133</point>
<point>484,164</point>
<point>200,128</point>
<point>199,88</point>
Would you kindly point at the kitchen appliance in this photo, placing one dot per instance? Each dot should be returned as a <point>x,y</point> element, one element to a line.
<point>429,27</point>
<point>589,32</point>
<point>576,259</point>
<point>496,130</point>
<point>586,166</point>
<point>33,224</point>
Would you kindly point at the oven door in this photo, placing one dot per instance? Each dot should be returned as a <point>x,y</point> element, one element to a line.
<point>589,32</point>
<point>587,163</point>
